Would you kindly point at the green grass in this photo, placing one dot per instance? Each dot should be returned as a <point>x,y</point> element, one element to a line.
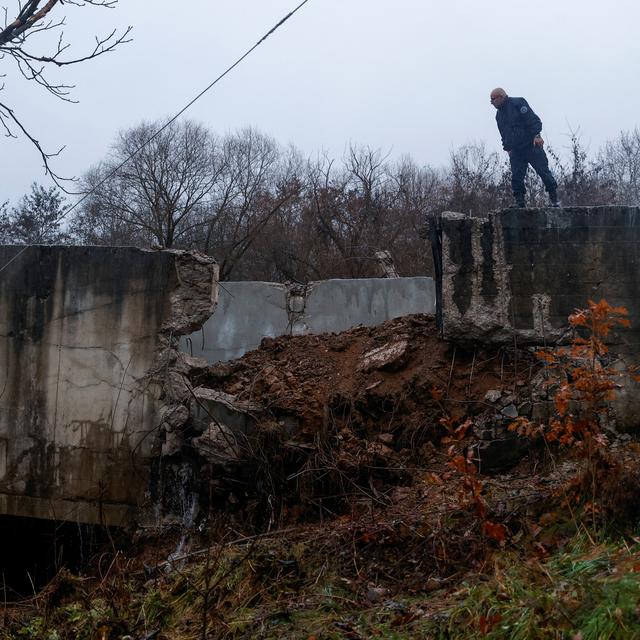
<point>586,588</point>
<point>588,591</point>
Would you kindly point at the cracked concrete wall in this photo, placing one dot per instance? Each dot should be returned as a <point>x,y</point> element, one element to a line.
<point>250,311</point>
<point>520,273</point>
<point>85,339</point>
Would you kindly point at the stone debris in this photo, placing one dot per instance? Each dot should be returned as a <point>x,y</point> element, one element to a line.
<point>218,445</point>
<point>501,453</point>
<point>227,400</point>
<point>358,405</point>
<point>389,356</point>
<point>174,416</point>
<point>525,408</point>
<point>376,594</point>
<point>225,408</point>
<point>191,364</point>
<point>176,388</point>
<point>195,297</point>
<point>508,399</point>
<point>510,411</point>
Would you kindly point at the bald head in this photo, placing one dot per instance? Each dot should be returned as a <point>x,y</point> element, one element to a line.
<point>497,97</point>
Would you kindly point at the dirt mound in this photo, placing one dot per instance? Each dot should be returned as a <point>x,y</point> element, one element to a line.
<point>385,374</point>
<point>331,417</point>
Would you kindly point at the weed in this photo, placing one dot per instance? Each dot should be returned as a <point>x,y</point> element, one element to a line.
<point>585,387</point>
<point>470,487</point>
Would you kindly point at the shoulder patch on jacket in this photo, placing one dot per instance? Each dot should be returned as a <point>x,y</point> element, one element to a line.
<point>523,109</point>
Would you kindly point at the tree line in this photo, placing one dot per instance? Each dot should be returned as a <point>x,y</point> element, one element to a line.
<point>266,212</point>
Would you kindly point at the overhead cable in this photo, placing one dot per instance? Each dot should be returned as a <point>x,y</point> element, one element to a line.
<point>189,104</point>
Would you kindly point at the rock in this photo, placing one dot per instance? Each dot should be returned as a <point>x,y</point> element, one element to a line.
<point>386,438</point>
<point>394,605</point>
<point>493,395</point>
<point>525,408</point>
<point>510,411</point>
<point>220,371</point>
<point>508,399</point>
<point>172,444</point>
<point>190,364</point>
<point>218,445</point>
<point>484,433</point>
<point>500,454</point>
<point>177,387</point>
<point>542,411</point>
<point>389,356</point>
<point>484,427</point>
<point>376,594</point>
<point>174,416</point>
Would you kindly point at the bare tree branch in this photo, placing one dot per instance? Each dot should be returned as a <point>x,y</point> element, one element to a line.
<point>18,38</point>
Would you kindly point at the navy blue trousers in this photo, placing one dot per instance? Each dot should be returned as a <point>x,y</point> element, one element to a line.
<point>520,160</point>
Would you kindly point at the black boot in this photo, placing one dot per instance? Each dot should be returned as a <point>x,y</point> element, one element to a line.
<point>553,199</point>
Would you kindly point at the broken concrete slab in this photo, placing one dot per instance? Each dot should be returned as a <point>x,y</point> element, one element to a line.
<point>218,445</point>
<point>225,409</point>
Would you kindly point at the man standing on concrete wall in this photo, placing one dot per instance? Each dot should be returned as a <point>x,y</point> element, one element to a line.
<point>520,129</point>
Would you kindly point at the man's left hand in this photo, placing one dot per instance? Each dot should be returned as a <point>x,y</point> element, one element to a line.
<point>538,141</point>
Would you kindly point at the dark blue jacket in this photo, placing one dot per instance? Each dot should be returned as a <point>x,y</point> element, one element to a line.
<point>518,124</point>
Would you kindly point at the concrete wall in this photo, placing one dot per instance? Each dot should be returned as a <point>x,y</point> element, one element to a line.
<point>522,272</point>
<point>80,329</point>
<point>250,311</point>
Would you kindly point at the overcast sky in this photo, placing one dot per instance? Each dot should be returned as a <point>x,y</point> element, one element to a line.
<point>408,76</point>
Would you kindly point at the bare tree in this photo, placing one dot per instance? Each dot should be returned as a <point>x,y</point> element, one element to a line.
<point>187,189</point>
<point>478,180</point>
<point>95,222</point>
<point>362,206</point>
<point>155,196</point>
<point>30,27</point>
<point>265,213</point>
<point>36,220</point>
<point>620,164</point>
<point>420,192</point>
<point>581,179</point>
<point>256,180</point>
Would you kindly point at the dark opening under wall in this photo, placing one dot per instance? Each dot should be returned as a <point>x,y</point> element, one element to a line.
<point>33,551</point>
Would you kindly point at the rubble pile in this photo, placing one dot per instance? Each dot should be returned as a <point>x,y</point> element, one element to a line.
<point>307,424</point>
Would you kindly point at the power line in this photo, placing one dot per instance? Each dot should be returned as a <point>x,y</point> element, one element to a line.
<point>189,104</point>
<point>14,257</point>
